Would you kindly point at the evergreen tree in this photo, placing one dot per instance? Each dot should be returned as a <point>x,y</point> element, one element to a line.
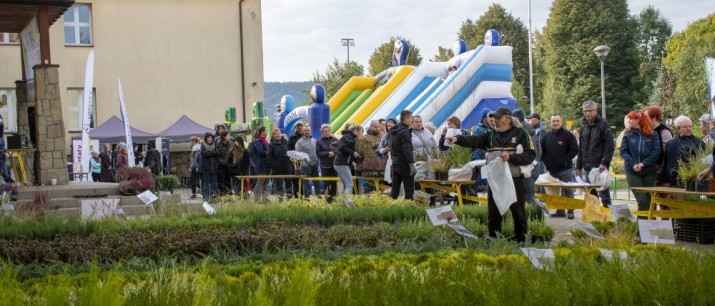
<point>653,32</point>
<point>513,33</point>
<point>336,75</point>
<point>573,72</point>
<point>381,58</point>
<point>686,52</point>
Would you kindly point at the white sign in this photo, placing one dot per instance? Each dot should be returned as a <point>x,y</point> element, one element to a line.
<point>539,257</point>
<point>621,211</point>
<point>656,231</point>
<point>84,147</point>
<point>441,215</point>
<point>30,41</point>
<point>461,230</point>
<point>8,209</point>
<point>98,209</point>
<point>590,230</point>
<point>710,72</point>
<point>147,197</point>
<point>207,207</point>
<point>609,255</point>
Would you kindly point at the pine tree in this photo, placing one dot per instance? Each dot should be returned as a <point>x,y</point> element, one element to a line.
<point>573,71</point>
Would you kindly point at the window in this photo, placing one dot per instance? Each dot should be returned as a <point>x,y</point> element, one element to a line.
<point>9,39</point>
<point>75,105</point>
<point>78,25</point>
<point>9,111</point>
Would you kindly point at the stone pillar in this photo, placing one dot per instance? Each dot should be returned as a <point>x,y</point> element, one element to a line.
<point>24,102</point>
<point>50,126</point>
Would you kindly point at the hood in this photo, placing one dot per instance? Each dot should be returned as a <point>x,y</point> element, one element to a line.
<point>207,135</point>
<point>519,114</point>
<point>348,133</point>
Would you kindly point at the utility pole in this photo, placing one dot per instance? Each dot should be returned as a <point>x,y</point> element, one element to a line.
<point>348,42</point>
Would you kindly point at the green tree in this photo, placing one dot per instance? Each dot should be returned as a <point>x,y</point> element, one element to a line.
<point>335,76</point>
<point>381,58</point>
<point>685,56</point>
<point>573,72</point>
<point>653,32</point>
<point>512,32</point>
<point>663,94</point>
<point>443,54</point>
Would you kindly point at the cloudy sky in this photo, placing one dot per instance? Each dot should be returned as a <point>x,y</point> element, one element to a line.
<point>302,37</point>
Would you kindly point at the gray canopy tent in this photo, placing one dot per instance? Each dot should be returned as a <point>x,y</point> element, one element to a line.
<point>183,129</point>
<point>112,131</point>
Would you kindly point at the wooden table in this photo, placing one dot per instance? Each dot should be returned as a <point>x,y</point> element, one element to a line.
<point>559,202</point>
<point>680,208</point>
<point>242,179</point>
<point>446,187</point>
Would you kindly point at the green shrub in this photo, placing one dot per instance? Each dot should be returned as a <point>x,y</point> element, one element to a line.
<point>167,182</point>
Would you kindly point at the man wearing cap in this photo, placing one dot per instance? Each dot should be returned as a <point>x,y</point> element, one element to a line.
<point>595,147</point>
<point>539,133</point>
<point>502,142</point>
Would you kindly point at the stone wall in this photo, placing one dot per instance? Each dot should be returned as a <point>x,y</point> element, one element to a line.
<point>50,126</point>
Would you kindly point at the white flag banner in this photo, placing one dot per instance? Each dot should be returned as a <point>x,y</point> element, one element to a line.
<point>127,131</point>
<point>710,72</point>
<point>83,152</point>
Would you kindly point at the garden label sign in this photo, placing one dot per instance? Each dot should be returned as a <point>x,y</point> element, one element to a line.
<point>209,210</point>
<point>656,231</point>
<point>539,257</point>
<point>461,230</point>
<point>590,230</point>
<point>147,197</point>
<point>441,215</point>
<point>621,211</point>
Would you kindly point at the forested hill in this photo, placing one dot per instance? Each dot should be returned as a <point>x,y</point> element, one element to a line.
<point>274,91</point>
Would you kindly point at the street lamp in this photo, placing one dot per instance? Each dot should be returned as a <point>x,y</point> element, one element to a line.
<point>602,52</point>
<point>348,42</point>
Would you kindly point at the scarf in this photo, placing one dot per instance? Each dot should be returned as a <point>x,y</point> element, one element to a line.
<point>263,140</point>
<point>209,147</point>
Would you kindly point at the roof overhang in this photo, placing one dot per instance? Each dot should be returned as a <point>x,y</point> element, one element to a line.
<point>16,14</point>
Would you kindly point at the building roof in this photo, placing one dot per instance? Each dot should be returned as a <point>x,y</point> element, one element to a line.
<point>16,14</point>
<point>183,129</point>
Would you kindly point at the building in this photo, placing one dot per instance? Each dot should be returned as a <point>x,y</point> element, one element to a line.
<point>173,58</point>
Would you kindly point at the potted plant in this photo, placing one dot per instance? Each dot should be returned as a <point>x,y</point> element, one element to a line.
<point>689,169</point>
<point>167,183</point>
<point>134,180</point>
<point>440,166</point>
<point>460,156</point>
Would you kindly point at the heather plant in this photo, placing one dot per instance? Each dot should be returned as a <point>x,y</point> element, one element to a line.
<point>134,180</point>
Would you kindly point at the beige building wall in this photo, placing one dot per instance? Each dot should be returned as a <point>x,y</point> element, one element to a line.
<point>174,57</point>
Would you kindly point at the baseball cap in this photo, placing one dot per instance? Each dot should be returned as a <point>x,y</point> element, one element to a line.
<point>501,111</point>
<point>534,115</point>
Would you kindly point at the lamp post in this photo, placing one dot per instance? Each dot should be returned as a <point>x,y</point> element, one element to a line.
<point>348,42</point>
<point>602,52</point>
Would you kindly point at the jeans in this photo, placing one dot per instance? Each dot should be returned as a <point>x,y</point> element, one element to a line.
<point>643,198</point>
<point>566,176</point>
<point>309,171</point>
<point>208,185</point>
<point>529,186</point>
<point>345,177</point>
<point>605,194</point>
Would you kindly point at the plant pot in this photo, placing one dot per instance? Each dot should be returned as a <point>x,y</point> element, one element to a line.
<point>441,175</point>
<point>695,185</point>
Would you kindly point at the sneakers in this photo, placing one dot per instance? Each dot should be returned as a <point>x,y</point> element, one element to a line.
<point>570,215</point>
<point>560,214</point>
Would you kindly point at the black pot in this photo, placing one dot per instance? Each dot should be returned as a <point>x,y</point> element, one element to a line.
<point>696,185</point>
<point>441,176</point>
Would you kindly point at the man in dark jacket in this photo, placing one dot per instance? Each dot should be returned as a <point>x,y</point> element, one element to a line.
<point>558,148</point>
<point>325,150</point>
<point>595,149</point>
<point>403,160</point>
<point>292,140</point>
<point>503,142</point>
<point>153,158</point>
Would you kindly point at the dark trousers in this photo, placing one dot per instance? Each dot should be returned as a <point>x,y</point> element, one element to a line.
<point>224,181</point>
<point>330,186</point>
<point>95,176</point>
<point>518,212</point>
<point>194,180</point>
<point>401,175</point>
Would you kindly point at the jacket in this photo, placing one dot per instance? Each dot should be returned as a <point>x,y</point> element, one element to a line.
<point>277,157</point>
<point>259,155</point>
<point>401,140</point>
<point>679,149</point>
<point>209,163</point>
<point>293,139</point>
<point>506,141</point>
<point>224,153</point>
<point>153,160</point>
<point>558,148</point>
<point>323,146</point>
<point>637,148</point>
<point>346,147</point>
<point>422,143</point>
<point>240,166</point>
<point>307,146</point>
<point>194,157</point>
<point>595,144</point>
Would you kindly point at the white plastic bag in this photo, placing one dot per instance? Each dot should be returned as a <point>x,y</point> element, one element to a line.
<point>388,170</point>
<point>546,178</point>
<point>600,178</point>
<point>423,171</point>
<point>500,183</point>
<point>525,170</point>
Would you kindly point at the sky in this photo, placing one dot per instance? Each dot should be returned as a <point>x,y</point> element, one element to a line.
<point>302,37</point>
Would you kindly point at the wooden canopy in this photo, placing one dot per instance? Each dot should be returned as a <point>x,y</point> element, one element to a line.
<point>16,14</point>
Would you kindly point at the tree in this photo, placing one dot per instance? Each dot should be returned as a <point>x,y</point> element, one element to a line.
<point>381,58</point>
<point>573,72</point>
<point>336,75</point>
<point>512,32</point>
<point>443,54</point>
<point>664,93</point>
<point>685,56</point>
<point>653,32</point>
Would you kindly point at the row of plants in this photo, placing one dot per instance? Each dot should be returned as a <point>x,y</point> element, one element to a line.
<point>134,180</point>
<point>265,237</point>
<point>231,214</point>
<point>578,276</point>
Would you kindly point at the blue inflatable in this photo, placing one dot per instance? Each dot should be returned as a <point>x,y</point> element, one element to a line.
<point>319,112</point>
